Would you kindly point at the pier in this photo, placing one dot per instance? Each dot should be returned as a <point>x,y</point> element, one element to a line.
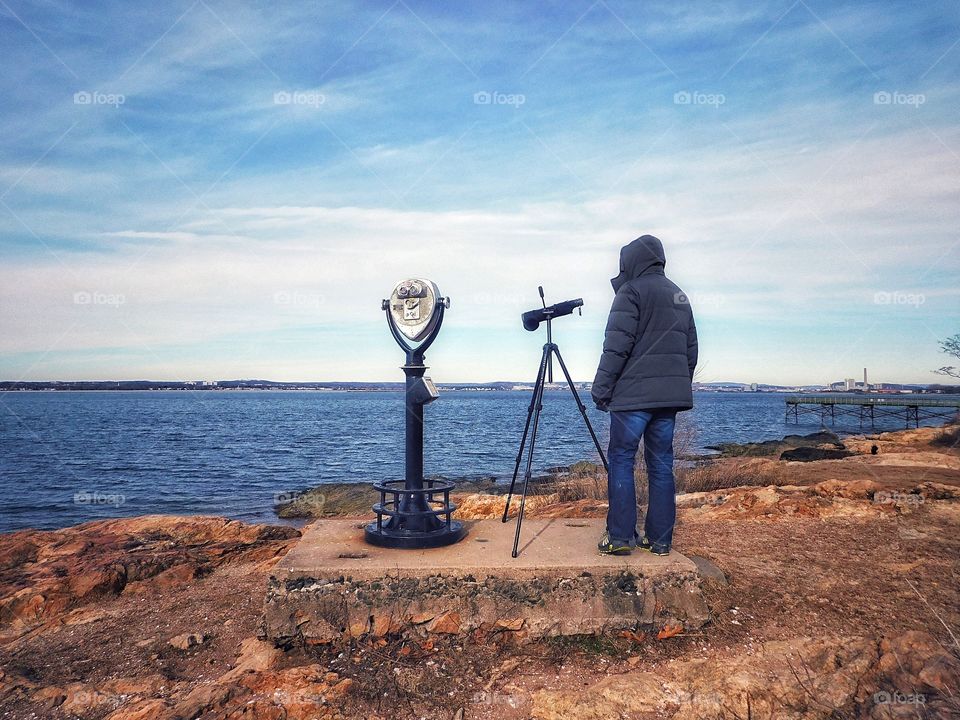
<point>911,408</point>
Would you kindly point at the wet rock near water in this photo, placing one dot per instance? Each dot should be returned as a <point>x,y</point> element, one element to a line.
<point>774,448</point>
<point>809,454</point>
<point>347,499</point>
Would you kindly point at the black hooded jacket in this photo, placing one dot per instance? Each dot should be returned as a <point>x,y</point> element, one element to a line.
<point>650,345</point>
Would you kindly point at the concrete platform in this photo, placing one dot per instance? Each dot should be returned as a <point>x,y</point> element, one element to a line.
<point>333,584</point>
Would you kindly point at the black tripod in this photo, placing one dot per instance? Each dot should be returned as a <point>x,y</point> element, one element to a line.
<point>533,414</point>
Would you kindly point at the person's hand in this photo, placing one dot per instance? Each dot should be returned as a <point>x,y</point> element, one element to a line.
<point>602,405</point>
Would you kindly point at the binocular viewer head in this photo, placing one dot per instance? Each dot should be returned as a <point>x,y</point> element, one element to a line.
<point>532,318</point>
<point>414,308</point>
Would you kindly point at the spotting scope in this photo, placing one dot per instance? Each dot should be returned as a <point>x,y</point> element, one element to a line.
<point>533,318</point>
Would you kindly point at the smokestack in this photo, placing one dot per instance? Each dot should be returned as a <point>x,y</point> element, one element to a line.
<point>864,378</point>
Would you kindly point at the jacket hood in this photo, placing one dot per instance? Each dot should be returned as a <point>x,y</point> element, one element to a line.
<point>643,255</point>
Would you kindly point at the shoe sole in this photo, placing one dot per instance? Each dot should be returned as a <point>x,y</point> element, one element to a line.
<point>619,551</point>
<point>650,550</point>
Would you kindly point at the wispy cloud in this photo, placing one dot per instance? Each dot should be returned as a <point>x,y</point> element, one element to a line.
<point>231,178</point>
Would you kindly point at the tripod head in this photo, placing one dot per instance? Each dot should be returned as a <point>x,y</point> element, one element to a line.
<point>532,319</point>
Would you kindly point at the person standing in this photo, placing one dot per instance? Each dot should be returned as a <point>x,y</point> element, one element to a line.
<point>644,379</point>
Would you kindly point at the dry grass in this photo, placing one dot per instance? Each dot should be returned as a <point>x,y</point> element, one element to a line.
<point>728,473</point>
<point>949,437</point>
<point>588,481</point>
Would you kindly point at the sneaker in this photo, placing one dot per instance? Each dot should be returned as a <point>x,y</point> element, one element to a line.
<point>644,544</point>
<point>606,546</point>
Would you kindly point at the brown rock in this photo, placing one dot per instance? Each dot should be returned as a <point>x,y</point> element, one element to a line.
<point>186,641</point>
<point>481,506</point>
<point>448,622</point>
<point>340,689</point>
<point>300,693</point>
<point>146,685</point>
<point>710,571</point>
<point>255,655</point>
<point>154,709</point>
<point>49,697</point>
<point>18,551</point>
<point>627,695</point>
<point>360,628</point>
<point>381,625</point>
<point>202,698</point>
<point>777,681</point>
<point>85,616</point>
<point>176,576</point>
<point>916,662</point>
<point>862,489</point>
<point>99,581</point>
<point>13,685</point>
<point>83,699</point>
<point>46,573</point>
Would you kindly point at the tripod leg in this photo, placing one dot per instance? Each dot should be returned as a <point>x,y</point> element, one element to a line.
<point>526,430</point>
<point>538,397</point>
<point>583,409</point>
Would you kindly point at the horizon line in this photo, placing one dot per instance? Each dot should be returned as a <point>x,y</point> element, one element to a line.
<point>210,383</point>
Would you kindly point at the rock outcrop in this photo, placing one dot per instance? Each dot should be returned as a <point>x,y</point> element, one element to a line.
<point>45,574</point>
<point>910,675</point>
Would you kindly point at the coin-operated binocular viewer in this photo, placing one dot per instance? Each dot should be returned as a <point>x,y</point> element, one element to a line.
<point>414,512</point>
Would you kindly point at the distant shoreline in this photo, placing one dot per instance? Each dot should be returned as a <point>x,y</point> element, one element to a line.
<point>583,387</point>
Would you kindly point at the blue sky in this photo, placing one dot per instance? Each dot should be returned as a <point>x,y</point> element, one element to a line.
<point>220,190</point>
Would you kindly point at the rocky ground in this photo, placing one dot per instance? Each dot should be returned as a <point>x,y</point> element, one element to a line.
<point>833,586</point>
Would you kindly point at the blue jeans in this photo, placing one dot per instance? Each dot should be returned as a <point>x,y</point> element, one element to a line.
<point>626,429</point>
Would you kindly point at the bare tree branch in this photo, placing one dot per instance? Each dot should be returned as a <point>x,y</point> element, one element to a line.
<point>950,346</point>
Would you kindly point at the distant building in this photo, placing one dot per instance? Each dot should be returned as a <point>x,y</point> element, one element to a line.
<point>753,387</point>
<point>850,383</point>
